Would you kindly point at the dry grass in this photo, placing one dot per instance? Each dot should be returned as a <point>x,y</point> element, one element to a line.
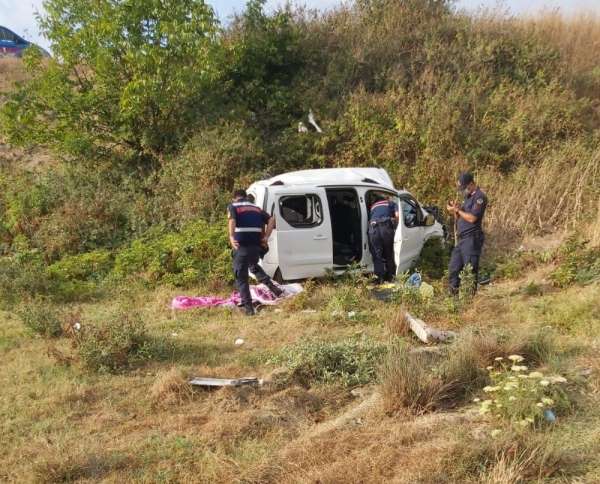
<point>576,37</point>
<point>145,427</point>
<point>170,387</point>
<point>408,382</point>
<point>420,382</point>
<point>11,71</point>
<point>557,194</point>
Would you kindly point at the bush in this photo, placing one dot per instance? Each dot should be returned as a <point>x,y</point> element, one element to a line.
<point>577,263</point>
<point>41,317</point>
<point>116,345</point>
<point>346,303</point>
<point>22,275</point>
<point>349,362</point>
<point>200,251</point>
<point>434,259</point>
<point>89,266</point>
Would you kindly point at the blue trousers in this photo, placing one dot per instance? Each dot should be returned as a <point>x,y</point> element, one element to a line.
<point>381,245</point>
<point>246,259</point>
<point>468,251</point>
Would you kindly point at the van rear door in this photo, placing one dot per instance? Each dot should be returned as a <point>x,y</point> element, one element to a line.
<point>303,232</point>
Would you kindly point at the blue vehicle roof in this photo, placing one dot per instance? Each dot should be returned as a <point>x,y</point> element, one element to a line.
<point>9,38</point>
<point>13,44</point>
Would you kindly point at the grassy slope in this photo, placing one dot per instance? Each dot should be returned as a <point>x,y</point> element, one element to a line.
<point>60,423</point>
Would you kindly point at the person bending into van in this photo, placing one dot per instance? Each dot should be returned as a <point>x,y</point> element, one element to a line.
<point>383,220</point>
<point>264,246</point>
<point>249,229</point>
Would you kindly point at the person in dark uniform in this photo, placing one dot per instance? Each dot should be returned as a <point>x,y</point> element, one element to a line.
<point>249,229</point>
<point>470,237</point>
<point>383,220</point>
<point>264,246</point>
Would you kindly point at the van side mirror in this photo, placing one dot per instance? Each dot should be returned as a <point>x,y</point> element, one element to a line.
<point>429,220</point>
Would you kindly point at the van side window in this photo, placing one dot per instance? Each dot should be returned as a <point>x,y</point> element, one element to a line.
<point>301,211</point>
<point>411,212</point>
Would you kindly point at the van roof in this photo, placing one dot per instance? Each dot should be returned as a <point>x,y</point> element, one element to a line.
<point>333,177</point>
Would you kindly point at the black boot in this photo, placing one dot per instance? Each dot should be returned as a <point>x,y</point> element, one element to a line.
<point>249,310</point>
<point>277,292</point>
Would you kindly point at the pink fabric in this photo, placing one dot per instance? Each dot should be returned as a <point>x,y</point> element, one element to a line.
<point>260,294</point>
<point>185,302</point>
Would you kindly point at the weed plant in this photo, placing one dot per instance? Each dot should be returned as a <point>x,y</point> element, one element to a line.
<point>117,344</point>
<point>578,263</point>
<point>42,317</point>
<point>348,362</point>
<point>522,397</point>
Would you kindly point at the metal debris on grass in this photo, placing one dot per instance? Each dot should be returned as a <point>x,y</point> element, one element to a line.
<point>224,382</point>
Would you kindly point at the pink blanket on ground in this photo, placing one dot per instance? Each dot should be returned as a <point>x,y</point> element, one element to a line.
<point>260,294</point>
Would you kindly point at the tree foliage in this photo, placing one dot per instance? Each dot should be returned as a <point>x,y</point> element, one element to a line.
<point>131,77</point>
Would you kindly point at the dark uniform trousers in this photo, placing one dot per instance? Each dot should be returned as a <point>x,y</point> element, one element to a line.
<point>246,259</point>
<point>468,251</point>
<point>381,242</point>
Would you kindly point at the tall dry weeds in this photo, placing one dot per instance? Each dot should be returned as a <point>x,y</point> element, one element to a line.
<point>576,37</point>
<point>559,193</point>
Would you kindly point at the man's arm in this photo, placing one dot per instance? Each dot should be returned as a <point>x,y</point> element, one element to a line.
<point>231,226</point>
<point>469,217</point>
<point>270,228</point>
<point>455,209</point>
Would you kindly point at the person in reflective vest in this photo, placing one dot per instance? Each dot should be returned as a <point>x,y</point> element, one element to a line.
<point>383,220</point>
<point>249,229</point>
<point>468,226</point>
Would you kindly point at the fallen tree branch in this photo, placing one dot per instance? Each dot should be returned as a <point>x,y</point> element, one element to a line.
<point>426,333</point>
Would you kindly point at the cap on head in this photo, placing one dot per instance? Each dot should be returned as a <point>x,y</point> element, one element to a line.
<point>239,194</point>
<point>464,179</point>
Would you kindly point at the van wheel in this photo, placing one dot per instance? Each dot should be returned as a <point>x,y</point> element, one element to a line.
<point>277,277</point>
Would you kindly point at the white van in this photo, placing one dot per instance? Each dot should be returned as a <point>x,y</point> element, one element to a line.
<point>322,217</point>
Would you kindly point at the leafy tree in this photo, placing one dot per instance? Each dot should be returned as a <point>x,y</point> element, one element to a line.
<point>131,78</point>
<point>266,61</point>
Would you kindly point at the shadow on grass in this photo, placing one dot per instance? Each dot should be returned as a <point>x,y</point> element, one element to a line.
<point>188,353</point>
<point>70,468</point>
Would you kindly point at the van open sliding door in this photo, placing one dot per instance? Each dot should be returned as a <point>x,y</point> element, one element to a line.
<point>303,232</point>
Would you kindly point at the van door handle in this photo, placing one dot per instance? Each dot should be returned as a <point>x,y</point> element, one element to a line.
<point>319,237</point>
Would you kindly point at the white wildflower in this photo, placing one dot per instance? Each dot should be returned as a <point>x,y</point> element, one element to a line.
<point>512,398</point>
<point>489,368</point>
<point>516,358</point>
<point>495,432</point>
<point>539,404</point>
<point>488,389</point>
<point>518,368</point>
<point>523,423</point>
<point>476,400</point>
<point>536,374</point>
<point>499,358</point>
<point>558,379</point>
<point>544,383</point>
<point>547,401</point>
<point>529,419</point>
